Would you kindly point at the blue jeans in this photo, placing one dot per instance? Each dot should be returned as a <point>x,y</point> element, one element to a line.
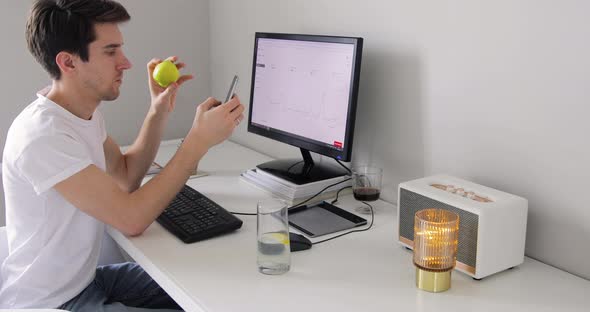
<point>121,287</point>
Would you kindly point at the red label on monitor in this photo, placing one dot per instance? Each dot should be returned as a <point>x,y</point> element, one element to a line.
<point>338,144</point>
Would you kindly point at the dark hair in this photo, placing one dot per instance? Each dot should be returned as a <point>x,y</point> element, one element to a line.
<point>67,25</point>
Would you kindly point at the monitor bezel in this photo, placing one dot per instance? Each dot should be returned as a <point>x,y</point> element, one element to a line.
<point>302,142</point>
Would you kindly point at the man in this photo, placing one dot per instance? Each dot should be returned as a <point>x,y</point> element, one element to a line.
<point>65,178</point>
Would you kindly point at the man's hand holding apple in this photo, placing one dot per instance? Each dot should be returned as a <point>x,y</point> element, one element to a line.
<point>164,81</point>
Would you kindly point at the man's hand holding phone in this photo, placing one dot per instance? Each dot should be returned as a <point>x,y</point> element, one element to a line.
<point>230,93</point>
<point>232,88</point>
<point>215,122</point>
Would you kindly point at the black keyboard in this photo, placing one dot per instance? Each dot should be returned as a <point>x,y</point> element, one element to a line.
<point>193,217</point>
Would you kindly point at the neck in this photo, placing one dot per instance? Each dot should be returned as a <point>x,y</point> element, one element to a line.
<point>72,100</point>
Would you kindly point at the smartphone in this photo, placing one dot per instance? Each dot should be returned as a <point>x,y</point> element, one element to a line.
<point>232,88</point>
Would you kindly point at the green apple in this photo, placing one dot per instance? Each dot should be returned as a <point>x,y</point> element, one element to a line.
<point>165,73</point>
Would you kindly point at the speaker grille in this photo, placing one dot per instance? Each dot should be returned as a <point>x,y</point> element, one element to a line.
<point>411,202</point>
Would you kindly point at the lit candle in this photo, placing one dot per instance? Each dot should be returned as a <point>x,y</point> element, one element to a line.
<point>436,233</point>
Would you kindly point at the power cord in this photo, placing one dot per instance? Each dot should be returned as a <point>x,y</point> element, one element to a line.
<point>320,192</point>
<point>332,202</point>
<point>303,202</point>
<point>313,196</point>
<point>340,235</point>
<point>343,166</point>
<point>338,193</point>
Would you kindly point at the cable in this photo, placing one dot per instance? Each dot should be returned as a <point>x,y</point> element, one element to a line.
<point>338,193</point>
<point>318,193</point>
<point>334,201</point>
<point>305,201</point>
<point>340,235</point>
<point>313,196</point>
<point>353,231</point>
<point>343,166</point>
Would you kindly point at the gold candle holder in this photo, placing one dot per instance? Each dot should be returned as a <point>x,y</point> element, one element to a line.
<point>436,233</point>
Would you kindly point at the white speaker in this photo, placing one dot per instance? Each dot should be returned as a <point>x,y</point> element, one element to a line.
<point>492,225</point>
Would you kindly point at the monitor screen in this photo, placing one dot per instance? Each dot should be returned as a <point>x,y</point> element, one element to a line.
<point>304,91</point>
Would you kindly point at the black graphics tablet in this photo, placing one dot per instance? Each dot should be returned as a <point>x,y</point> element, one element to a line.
<point>323,218</point>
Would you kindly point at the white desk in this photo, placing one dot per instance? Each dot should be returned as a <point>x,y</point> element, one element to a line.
<point>367,271</point>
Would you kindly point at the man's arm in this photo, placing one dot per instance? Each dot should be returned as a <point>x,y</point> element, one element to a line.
<point>129,169</point>
<point>99,195</point>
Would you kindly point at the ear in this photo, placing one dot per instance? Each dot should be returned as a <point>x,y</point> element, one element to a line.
<point>66,62</point>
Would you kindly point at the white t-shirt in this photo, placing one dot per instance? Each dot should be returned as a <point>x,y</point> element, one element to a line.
<point>54,247</point>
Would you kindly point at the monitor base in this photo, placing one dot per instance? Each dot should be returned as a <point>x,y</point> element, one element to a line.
<point>299,172</point>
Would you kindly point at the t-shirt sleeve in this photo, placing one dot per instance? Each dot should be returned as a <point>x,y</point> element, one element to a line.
<point>51,159</point>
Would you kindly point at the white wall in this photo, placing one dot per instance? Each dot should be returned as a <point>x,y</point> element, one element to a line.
<point>21,76</point>
<point>492,91</point>
<point>2,214</point>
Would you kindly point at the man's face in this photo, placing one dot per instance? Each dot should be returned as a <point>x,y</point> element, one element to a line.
<point>102,75</point>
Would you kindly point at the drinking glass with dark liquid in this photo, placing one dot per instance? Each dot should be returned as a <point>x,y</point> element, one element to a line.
<point>366,185</point>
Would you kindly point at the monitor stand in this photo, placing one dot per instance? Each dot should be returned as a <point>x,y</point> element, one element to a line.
<point>301,171</point>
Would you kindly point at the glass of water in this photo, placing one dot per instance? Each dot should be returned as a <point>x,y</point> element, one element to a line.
<point>274,249</point>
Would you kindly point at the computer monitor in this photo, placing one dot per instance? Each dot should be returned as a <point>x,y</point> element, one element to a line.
<point>304,93</point>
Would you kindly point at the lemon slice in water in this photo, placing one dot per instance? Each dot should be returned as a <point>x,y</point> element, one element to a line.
<point>278,237</point>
